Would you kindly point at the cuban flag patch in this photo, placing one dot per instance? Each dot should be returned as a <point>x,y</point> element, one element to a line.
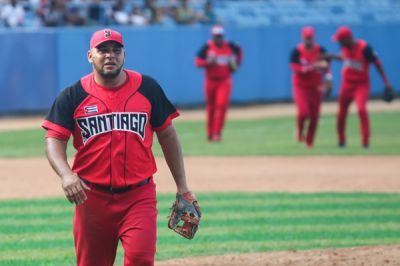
<point>91,109</point>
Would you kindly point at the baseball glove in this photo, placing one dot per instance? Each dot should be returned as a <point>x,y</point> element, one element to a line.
<point>185,216</point>
<point>388,94</point>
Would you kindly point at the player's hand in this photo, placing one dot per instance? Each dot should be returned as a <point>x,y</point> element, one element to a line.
<point>232,64</point>
<point>321,65</point>
<point>211,60</point>
<point>74,188</point>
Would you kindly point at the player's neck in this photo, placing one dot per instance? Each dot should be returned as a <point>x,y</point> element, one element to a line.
<point>110,83</point>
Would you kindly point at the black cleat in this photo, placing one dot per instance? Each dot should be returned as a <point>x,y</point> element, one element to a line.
<point>342,144</point>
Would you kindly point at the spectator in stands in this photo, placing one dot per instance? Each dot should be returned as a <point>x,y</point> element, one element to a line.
<point>13,14</point>
<point>95,13</point>
<point>209,16</point>
<point>74,18</point>
<point>151,12</point>
<point>137,18</point>
<point>54,14</point>
<point>119,14</point>
<point>185,15</point>
<point>167,16</point>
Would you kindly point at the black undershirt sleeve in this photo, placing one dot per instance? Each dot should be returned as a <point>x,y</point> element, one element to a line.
<point>295,56</point>
<point>370,54</point>
<point>63,108</point>
<point>203,52</point>
<point>161,107</point>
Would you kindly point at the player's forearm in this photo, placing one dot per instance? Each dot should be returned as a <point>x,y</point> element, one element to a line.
<point>381,72</point>
<point>332,57</point>
<point>301,69</point>
<point>57,156</point>
<point>171,147</point>
<point>200,62</point>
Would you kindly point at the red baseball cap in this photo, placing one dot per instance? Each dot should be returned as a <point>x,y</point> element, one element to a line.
<point>105,35</point>
<point>217,30</point>
<point>341,33</point>
<point>307,32</point>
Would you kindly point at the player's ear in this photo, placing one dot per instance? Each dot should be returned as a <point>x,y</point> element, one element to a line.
<point>89,56</point>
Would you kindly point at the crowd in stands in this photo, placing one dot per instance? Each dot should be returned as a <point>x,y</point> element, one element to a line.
<point>139,13</point>
<point>59,13</point>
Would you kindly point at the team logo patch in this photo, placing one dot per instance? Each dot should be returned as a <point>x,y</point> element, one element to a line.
<point>92,126</point>
<point>107,33</point>
<point>92,109</point>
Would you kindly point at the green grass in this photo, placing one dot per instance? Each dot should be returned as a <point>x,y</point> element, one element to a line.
<point>38,232</point>
<point>273,136</point>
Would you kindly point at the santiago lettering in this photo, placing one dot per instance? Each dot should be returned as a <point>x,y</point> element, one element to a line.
<point>353,64</point>
<point>123,121</point>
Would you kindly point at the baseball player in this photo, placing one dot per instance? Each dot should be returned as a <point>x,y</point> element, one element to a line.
<point>112,114</point>
<point>356,55</point>
<point>311,78</point>
<point>220,59</point>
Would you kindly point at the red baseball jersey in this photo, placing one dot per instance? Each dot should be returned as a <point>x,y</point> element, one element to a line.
<point>223,54</point>
<point>356,61</point>
<point>301,61</point>
<point>112,128</point>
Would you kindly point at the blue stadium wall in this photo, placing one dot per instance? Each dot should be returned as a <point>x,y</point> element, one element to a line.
<point>36,65</point>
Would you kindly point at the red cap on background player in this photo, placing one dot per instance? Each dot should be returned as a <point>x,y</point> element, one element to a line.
<point>341,33</point>
<point>307,32</point>
<point>105,35</point>
<point>217,30</point>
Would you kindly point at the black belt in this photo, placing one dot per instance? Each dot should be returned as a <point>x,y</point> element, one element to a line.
<point>218,78</point>
<point>117,190</point>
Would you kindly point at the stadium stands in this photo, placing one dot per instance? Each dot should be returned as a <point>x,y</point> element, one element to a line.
<point>286,12</point>
<point>258,12</point>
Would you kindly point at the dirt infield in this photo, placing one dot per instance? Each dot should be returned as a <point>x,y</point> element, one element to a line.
<point>365,256</point>
<point>33,178</point>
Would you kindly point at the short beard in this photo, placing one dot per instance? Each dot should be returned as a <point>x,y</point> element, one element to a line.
<point>111,74</point>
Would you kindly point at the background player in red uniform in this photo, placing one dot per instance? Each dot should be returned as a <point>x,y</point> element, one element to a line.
<point>356,56</point>
<point>309,84</point>
<point>112,114</point>
<point>220,59</point>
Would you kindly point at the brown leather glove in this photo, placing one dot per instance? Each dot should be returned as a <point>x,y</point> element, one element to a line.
<point>185,216</point>
<point>388,94</point>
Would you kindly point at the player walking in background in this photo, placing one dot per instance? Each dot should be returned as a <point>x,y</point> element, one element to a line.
<point>220,59</point>
<point>356,56</point>
<point>311,78</point>
<point>112,114</point>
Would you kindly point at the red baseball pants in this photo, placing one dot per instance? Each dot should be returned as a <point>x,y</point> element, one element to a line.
<point>308,102</point>
<point>106,218</point>
<point>348,92</point>
<point>217,92</point>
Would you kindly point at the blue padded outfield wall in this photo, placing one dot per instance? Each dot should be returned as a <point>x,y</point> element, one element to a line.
<point>28,70</point>
<point>36,65</point>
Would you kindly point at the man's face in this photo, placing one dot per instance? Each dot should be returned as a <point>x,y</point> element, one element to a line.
<point>308,41</point>
<point>346,42</point>
<point>218,39</point>
<point>107,59</point>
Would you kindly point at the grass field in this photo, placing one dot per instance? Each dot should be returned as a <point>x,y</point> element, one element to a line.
<point>272,136</point>
<point>38,232</point>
